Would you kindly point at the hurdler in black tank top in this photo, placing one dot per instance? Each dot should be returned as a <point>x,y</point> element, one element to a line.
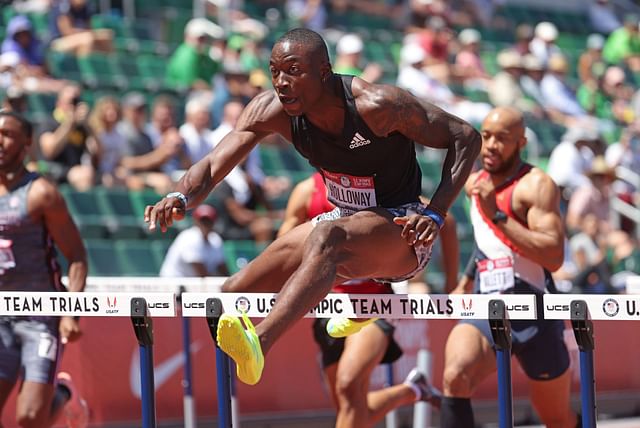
<point>390,160</point>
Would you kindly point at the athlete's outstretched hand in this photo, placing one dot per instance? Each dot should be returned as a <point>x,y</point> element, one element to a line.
<point>164,213</point>
<point>417,229</point>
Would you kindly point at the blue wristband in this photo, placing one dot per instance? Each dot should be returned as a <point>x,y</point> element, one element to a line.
<point>435,217</point>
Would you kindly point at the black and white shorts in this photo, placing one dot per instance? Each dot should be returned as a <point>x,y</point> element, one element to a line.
<point>29,347</point>
<point>423,254</point>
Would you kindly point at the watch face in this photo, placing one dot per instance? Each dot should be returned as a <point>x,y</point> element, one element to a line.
<point>500,216</point>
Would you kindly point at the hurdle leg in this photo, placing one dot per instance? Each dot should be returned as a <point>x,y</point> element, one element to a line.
<point>391,418</point>
<point>583,332</point>
<point>143,328</point>
<point>223,374</point>
<point>501,332</point>
<point>188,403</point>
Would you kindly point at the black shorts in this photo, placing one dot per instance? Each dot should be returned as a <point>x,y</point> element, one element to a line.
<point>332,348</point>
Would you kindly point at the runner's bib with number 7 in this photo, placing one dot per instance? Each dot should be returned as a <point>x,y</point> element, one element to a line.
<point>496,275</point>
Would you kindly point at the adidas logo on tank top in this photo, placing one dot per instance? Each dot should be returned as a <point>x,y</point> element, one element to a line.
<point>358,141</point>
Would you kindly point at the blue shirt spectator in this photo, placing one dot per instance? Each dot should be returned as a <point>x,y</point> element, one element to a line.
<point>21,40</point>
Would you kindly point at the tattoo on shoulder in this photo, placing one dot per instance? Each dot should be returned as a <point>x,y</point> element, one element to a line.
<point>394,109</point>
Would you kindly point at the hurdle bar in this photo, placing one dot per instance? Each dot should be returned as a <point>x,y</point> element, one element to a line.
<point>391,306</point>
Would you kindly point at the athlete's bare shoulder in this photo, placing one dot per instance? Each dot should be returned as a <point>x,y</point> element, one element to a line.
<point>378,104</point>
<point>43,196</point>
<point>536,186</point>
<point>264,114</point>
<point>387,109</point>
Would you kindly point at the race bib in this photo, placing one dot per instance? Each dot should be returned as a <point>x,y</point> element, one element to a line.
<point>496,275</point>
<point>349,191</point>
<point>47,347</point>
<point>7,261</point>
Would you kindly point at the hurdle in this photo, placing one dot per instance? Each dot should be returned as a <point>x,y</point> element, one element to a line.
<point>501,333</point>
<point>137,306</point>
<point>391,306</point>
<point>581,309</point>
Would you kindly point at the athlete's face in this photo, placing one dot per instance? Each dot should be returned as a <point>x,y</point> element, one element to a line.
<point>13,144</point>
<point>296,77</point>
<point>501,144</point>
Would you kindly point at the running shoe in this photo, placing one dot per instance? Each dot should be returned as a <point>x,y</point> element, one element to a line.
<point>75,411</point>
<point>343,327</point>
<point>243,346</point>
<point>424,391</point>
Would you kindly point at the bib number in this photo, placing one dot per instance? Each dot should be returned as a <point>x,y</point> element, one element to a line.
<point>351,192</point>
<point>7,260</point>
<point>47,347</point>
<point>496,275</point>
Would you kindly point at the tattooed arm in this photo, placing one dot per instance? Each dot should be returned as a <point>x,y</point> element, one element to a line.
<point>388,109</point>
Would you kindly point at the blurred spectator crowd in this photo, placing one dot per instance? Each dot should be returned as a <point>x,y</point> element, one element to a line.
<point>129,102</point>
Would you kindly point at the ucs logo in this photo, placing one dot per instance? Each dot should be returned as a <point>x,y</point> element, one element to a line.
<point>158,305</point>
<point>194,305</point>
<point>558,308</point>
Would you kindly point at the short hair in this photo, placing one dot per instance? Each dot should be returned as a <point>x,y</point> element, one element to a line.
<point>309,39</point>
<point>25,124</point>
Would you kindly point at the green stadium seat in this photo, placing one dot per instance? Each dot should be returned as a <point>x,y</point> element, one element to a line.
<point>136,257</point>
<point>64,66</point>
<point>117,204</point>
<point>86,212</point>
<point>159,249</point>
<point>237,253</point>
<point>103,260</point>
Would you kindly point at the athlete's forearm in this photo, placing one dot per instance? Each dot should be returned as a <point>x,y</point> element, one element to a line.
<point>458,163</point>
<point>203,176</point>
<point>77,275</point>
<point>546,249</point>
<point>197,182</point>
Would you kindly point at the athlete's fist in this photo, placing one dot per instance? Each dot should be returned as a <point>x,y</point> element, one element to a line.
<point>486,193</point>
<point>418,230</point>
<point>164,213</point>
<point>69,330</point>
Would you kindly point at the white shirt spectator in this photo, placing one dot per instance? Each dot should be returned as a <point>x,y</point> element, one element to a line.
<point>559,96</point>
<point>198,144</point>
<point>568,164</point>
<point>190,247</point>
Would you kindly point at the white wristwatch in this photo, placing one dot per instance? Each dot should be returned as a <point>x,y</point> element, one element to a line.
<point>179,196</point>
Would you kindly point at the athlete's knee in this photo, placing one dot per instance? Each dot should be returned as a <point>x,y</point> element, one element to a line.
<point>457,381</point>
<point>327,237</point>
<point>349,387</point>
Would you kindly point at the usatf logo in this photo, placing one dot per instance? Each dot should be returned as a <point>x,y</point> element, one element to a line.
<point>467,308</point>
<point>243,305</point>
<point>610,307</point>
<point>111,305</point>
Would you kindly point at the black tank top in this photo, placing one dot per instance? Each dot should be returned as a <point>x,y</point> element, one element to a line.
<point>390,161</point>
